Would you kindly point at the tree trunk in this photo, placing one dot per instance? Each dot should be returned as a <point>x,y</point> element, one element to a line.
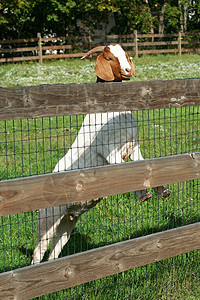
<point>185,17</point>
<point>161,21</point>
<point>152,27</point>
<point>181,15</point>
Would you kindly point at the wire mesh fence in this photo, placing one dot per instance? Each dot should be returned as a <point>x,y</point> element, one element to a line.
<point>34,146</point>
<point>174,278</point>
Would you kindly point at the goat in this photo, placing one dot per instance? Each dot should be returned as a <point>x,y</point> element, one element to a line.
<point>104,138</point>
<point>113,64</point>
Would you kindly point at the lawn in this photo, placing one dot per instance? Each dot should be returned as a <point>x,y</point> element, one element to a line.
<point>33,146</point>
<point>80,71</point>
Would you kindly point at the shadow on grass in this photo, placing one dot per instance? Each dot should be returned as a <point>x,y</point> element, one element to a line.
<point>81,242</point>
<point>88,238</point>
<point>24,251</point>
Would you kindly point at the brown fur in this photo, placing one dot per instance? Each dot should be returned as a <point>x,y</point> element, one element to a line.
<point>108,67</point>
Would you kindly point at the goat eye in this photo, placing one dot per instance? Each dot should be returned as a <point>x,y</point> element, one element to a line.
<point>109,58</point>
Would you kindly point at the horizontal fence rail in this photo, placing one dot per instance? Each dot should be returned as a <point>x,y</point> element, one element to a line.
<point>51,100</point>
<point>94,264</point>
<point>30,193</point>
<point>20,195</point>
<point>68,47</point>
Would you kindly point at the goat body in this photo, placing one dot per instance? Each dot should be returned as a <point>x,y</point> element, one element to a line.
<point>104,138</point>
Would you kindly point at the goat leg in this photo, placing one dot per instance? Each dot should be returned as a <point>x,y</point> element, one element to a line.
<point>62,236</point>
<point>48,220</point>
<point>67,224</point>
<point>142,195</point>
<point>162,191</point>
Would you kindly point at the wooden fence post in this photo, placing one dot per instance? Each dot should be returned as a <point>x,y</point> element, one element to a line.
<point>179,43</point>
<point>39,47</point>
<point>136,44</point>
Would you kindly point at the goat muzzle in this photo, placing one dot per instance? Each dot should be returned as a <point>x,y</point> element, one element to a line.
<point>126,75</point>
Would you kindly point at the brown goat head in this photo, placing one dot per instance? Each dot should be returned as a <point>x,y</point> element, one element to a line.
<point>113,64</point>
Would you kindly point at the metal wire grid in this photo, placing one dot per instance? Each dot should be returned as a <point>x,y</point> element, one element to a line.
<point>168,279</point>
<point>114,219</point>
<point>33,146</point>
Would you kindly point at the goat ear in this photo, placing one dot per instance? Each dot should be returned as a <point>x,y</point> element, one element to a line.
<point>132,65</point>
<point>133,68</point>
<point>103,69</point>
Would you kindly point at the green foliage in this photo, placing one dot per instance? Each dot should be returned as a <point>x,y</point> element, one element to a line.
<point>131,16</point>
<point>24,18</point>
<point>33,146</point>
<point>172,18</point>
<point>14,15</point>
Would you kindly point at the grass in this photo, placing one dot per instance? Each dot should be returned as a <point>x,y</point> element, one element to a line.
<point>81,71</point>
<point>33,146</point>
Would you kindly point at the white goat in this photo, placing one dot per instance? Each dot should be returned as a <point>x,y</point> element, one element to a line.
<point>104,138</point>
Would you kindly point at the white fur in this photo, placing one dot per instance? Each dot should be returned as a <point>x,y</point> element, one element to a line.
<point>104,138</point>
<point>119,53</point>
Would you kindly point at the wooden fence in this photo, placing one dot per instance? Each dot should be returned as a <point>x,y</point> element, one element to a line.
<point>136,44</point>
<point>26,194</point>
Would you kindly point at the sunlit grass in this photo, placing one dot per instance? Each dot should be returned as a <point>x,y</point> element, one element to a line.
<point>81,71</point>
<point>34,146</point>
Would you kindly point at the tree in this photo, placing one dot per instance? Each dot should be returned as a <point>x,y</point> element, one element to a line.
<point>132,15</point>
<point>13,16</point>
<point>24,18</point>
<point>189,14</point>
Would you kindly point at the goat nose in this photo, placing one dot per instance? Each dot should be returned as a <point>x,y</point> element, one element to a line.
<point>128,70</point>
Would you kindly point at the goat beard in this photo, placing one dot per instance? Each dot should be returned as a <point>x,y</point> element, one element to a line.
<point>119,76</point>
<point>125,77</point>
<point>119,79</point>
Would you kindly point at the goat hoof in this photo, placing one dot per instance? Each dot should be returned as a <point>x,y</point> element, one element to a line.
<point>146,197</point>
<point>166,193</point>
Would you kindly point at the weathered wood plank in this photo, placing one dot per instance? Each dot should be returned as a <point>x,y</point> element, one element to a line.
<point>80,268</point>
<point>127,44</point>
<point>190,50</point>
<point>44,191</point>
<point>50,39</point>
<point>190,42</point>
<point>51,100</point>
<point>18,41</point>
<point>165,43</point>
<point>158,51</point>
<point>155,35</point>
<point>24,49</point>
<point>71,55</point>
<point>190,34</point>
<point>52,47</point>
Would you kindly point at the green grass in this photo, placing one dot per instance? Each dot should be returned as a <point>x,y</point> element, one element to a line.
<point>33,146</point>
<point>81,71</point>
